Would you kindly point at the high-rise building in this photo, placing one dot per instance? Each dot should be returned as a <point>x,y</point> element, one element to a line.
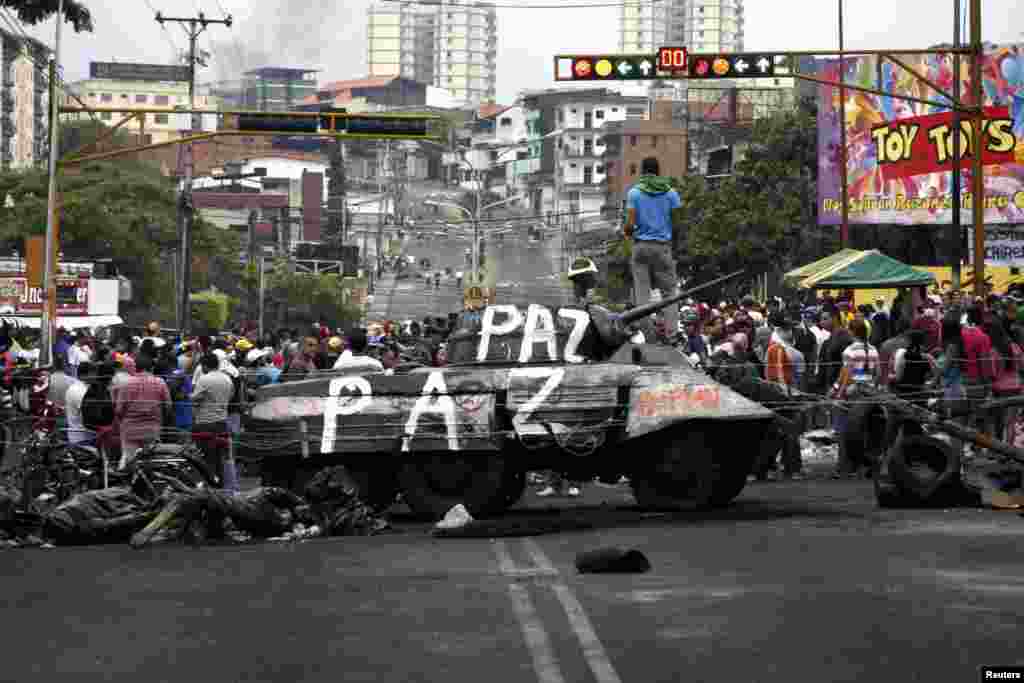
<point>273,88</point>
<point>699,25</point>
<point>447,45</point>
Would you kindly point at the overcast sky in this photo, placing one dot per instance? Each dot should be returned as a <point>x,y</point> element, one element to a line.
<point>330,35</point>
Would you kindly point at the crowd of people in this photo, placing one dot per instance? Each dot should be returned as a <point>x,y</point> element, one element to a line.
<point>951,350</point>
<point>958,349</point>
<point>156,388</point>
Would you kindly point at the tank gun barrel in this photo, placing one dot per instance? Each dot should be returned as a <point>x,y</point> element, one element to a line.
<point>634,314</point>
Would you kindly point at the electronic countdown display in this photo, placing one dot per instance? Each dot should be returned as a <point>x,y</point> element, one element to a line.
<point>669,63</point>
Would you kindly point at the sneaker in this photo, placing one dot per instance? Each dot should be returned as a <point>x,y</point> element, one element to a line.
<point>574,492</point>
<point>546,492</point>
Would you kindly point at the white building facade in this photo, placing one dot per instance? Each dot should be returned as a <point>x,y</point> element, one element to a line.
<point>24,103</point>
<point>579,173</point>
<point>449,45</point>
<point>699,25</point>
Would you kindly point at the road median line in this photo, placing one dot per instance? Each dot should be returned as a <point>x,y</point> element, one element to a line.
<point>534,633</point>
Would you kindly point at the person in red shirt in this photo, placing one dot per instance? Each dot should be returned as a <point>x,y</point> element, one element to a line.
<point>141,407</point>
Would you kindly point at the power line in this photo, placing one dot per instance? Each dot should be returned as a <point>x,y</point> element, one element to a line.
<point>166,34</point>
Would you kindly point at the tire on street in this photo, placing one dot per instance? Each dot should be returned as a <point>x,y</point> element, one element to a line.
<point>925,469</point>
<point>432,484</point>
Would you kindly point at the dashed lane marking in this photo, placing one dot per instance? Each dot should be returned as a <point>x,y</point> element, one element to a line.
<point>536,637</point>
<point>534,633</point>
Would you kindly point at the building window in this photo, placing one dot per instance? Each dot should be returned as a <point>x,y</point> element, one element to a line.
<point>572,111</point>
<point>614,109</point>
<point>124,96</point>
<point>106,97</point>
<point>599,169</point>
<point>654,141</point>
<point>105,115</point>
<point>599,114</point>
<point>140,99</point>
<point>506,121</point>
<point>632,169</point>
<point>160,119</point>
<point>161,100</point>
<point>632,141</point>
<point>92,94</point>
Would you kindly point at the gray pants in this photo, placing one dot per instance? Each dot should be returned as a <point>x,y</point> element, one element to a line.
<point>653,266</point>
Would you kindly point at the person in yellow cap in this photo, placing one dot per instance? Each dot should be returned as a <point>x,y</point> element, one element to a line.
<point>242,347</point>
<point>335,347</point>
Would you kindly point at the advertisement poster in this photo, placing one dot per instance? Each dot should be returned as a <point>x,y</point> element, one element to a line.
<point>1003,247</point>
<point>20,299</point>
<point>900,153</point>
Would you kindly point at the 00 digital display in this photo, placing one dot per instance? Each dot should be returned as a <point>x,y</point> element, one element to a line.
<point>672,59</point>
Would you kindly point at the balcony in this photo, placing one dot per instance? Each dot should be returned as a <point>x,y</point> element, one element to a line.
<point>581,153</point>
<point>587,188</point>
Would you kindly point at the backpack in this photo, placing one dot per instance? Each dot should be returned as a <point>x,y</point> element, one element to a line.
<point>97,407</point>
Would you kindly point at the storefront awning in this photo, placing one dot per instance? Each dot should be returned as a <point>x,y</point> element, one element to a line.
<point>71,322</point>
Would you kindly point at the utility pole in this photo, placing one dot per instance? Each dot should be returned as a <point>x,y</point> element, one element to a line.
<point>956,233</point>
<point>978,173</point>
<point>49,284</point>
<point>844,228</point>
<point>194,26</point>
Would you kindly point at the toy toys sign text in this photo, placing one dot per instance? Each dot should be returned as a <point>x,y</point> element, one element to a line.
<point>924,144</point>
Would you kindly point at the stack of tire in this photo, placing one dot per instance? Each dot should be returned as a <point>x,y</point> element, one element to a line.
<point>918,470</point>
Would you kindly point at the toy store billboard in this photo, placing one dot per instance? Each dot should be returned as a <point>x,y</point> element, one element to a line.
<point>900,153</point>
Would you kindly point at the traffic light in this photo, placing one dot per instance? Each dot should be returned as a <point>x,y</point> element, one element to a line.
<point>279,122</point>
<point>624,67</point>
<point>377,125</point>
<point>735,65</point>
<point>406,126</point>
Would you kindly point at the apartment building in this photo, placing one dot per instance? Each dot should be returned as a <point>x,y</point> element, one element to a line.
<point>143,86</point>
<point>565,130</point>
<point>448,45</point>
<point>275,88</point>
<point>700,25</point>
<point>24,102</point>
<point>625,144</point>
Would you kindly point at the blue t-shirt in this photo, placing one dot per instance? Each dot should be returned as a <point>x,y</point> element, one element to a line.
<point>653,214</point>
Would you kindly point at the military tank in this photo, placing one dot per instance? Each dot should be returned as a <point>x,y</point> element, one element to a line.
<point>526,389</point>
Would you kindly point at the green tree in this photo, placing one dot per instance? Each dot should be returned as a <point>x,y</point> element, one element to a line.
<point>35,11</point>
<point>125,211</point>
<point>306,298</point>
<point>74,135</point>
<point>764,216</point>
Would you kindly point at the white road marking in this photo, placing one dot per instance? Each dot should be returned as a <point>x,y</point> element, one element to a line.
<point>538,556</point>
<point>537,640</point>
<point>536,637</point>
<point>593,650</point>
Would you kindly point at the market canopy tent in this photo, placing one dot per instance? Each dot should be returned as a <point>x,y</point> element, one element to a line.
<point>853,269</point>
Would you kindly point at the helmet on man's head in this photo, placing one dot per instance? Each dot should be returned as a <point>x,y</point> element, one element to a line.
<point>581,266</point>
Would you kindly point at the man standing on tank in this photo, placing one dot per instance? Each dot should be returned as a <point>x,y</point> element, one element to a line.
<point>649,206</point>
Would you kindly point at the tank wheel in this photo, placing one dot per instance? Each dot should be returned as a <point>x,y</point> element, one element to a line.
<point>433,484</point>
<point>378,484</point>
<point>514,486</point>
<point>687,475</point>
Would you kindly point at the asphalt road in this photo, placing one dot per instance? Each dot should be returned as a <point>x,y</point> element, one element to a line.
<point>525,273</point>
<point>801,581</point>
